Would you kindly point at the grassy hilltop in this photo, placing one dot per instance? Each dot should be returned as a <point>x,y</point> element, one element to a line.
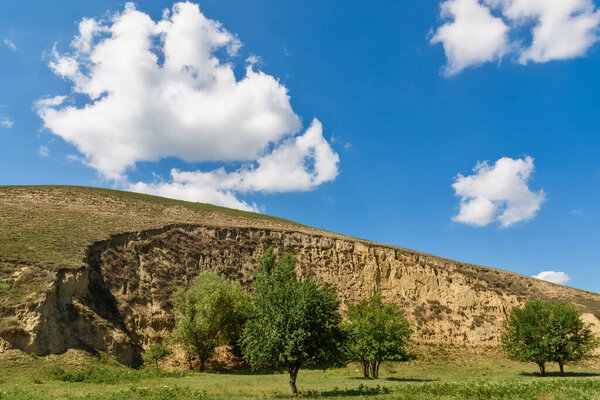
<point>52,225</point>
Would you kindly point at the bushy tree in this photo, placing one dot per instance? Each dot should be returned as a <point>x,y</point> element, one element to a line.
<point>525,335</point>
<point>291,323</point>
<point>542,332</point>
<point>570,338</point>
<point>377,332</point>
<point>208,315</point>
<point>156,352</point>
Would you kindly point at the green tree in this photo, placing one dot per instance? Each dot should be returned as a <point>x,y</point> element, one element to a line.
<point>208,315</point>
<point>542,332</point>
<point>291,323</point>
<point>377,332</point>
<point>570,338</point>
<point>156,352</point>
<point>525,335</point>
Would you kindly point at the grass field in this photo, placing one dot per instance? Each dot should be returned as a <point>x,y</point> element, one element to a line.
<point>77,375</point>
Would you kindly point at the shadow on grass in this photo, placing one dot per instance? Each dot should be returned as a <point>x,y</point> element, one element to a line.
<point>394,379</point>
<point>558,374</point>
<point>362,391</point>
<point>241,371</point>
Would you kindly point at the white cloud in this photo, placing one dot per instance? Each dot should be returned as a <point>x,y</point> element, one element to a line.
<point>44,151</point>
<point>552,276</point>
<point>283,170</point>
<point>254,60</point>
<point>48,102</point>
<point>562,28</point>
<point>168,89</point>
<point>540,30</point>
<point>497,193</point>
<point>6,122</point>
<point>10,44</point>
<point>474,35</point>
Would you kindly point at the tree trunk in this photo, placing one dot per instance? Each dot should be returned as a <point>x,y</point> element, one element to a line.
<point>202,362</point>
<point>542,368</point>
<point>293,370</point>
<point>156,363</point>
<point>562,367</point>
<point>189,357</point>
<point>375,369</point>
<point>365,365</point>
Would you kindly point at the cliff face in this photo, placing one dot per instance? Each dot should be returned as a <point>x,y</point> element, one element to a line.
<point>120,299</point>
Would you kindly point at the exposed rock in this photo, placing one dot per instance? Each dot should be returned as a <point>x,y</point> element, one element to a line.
<point>120,299</point>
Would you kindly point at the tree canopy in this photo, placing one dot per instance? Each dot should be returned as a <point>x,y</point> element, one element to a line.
<point>209,315</point>
<point>542,332</point>
<point>292,323</point>
<point>156,352</point>
<point>377,332</point>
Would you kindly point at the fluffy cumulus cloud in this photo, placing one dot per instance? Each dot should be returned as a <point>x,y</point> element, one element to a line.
<point>168,88</point>
<point>474,35</point>
<point>497,192</point>
<point>282,170</point>
<point>553,276</point>
<point>529,30</point>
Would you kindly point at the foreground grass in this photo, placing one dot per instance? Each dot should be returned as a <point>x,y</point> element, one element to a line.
<point>77,375</point>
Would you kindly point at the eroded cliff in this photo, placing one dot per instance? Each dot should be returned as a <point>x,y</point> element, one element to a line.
<point>119,300</point>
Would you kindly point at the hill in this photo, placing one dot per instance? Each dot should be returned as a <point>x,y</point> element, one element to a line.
<point>94,269</point>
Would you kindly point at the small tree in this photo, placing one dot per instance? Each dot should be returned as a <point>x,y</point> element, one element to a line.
<point>525,336</point>
<point>208,315</point>
<point>156,352</point>
<point>377,332</point>
<point>291,323</point>
<point>542,332</point>
<point>570,338</point>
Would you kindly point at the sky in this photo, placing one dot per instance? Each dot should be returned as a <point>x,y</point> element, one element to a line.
<point>462,128</point>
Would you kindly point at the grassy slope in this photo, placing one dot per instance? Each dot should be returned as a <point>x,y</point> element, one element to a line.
<point>52,225</point>
<point>26,377</point>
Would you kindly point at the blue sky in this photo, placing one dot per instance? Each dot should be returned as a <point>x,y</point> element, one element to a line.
<point>398,119</point>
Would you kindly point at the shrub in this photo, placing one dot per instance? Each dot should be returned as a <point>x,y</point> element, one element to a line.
<point>208,315</point>
<point>103,375</point>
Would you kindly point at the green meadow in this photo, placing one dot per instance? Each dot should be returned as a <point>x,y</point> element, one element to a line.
<point>79,375</point>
